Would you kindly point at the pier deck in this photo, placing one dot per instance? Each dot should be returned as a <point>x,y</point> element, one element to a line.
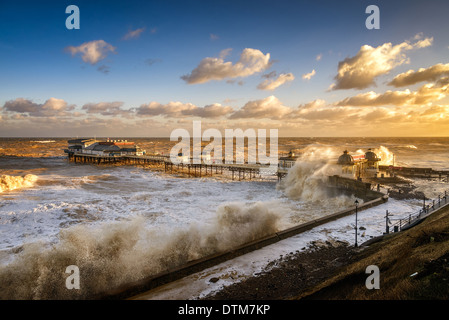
<point>242,171</point>
<point>415,172</point>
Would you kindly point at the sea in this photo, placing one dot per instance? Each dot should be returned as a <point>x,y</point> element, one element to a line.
<point>122,223</point>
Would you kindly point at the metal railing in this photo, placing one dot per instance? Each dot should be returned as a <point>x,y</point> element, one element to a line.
<point>426,210</point>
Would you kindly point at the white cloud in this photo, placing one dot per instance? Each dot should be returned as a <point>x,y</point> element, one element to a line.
<point>426,94</point>
<point>224,53</point>
<point>179,109</point>
<point>427,42</point>
<point>309,75</point>
<point>270,108</point>
<point>271,84</point>
<point>108,109</point>
<point>361,70</point>
<point>170,109</point>
<point>93,51</point>
<point>51,107</point>
<point>55,105</point>
<point>319,57</point>
<point>411,77</point>
<point>212,111</point>
<point>133,34</point>
<point>251,61</point>
<point>315,104</point>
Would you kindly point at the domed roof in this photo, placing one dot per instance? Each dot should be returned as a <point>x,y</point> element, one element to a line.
<point>371,156</point>
<point>346,159</point>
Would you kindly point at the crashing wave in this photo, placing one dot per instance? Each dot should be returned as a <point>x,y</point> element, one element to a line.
<point>112,254</point>
<point>9,183</point>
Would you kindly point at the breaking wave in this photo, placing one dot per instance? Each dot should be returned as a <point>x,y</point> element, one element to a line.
<point>9,183</point>
<point>307,180</point>
<point>112,254</point>
<point>386,156</point>
<point>409,146</point>
<point>44,141</point>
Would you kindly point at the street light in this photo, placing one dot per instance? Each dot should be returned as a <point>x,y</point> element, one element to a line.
<point>356,207</point>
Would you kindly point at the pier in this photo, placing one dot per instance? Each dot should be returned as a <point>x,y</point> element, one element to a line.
<point>415,172</point>
<point>246,171</point>
<point>240,171</point>
<point>237,171</point>
<point>92,151</point>
<point>359,172</point>
<point>128,153</point>
<point>103,159</point>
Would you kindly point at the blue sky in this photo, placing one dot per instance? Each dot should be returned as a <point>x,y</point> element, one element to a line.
<point>171,40</point>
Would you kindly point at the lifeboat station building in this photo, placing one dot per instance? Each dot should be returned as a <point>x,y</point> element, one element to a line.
<point>104,148</point>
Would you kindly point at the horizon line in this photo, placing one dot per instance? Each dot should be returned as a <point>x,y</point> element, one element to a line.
<point>167,137</point>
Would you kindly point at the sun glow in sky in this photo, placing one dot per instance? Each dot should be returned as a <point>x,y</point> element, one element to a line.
<point>145,68</point>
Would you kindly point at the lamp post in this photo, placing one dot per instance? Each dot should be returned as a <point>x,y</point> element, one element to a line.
<point>387,228</point>
<point>356,207</point>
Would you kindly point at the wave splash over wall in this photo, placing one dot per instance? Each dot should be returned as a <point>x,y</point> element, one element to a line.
<point>307,179</point>
<point>9,183</point>
<point>112,254</point>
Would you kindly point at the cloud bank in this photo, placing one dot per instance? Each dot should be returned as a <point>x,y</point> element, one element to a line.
<point>179,110</point>
<point>51,108</point>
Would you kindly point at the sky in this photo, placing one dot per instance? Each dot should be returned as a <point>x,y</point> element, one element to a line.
<point>146,68</point>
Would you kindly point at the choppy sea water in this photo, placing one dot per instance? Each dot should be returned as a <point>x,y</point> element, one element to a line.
<point>123,223</point>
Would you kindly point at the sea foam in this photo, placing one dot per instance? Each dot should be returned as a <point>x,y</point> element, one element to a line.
<point>112,254</point>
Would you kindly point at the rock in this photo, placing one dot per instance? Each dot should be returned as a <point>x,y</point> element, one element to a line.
<point>214,279</point>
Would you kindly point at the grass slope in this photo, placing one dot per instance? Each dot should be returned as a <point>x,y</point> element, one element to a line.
<point>413,264</point>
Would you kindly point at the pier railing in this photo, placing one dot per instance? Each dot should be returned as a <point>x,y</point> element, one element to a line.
<point>425,211</point>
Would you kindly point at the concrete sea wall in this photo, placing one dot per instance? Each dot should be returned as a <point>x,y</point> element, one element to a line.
<point>149,283</point>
